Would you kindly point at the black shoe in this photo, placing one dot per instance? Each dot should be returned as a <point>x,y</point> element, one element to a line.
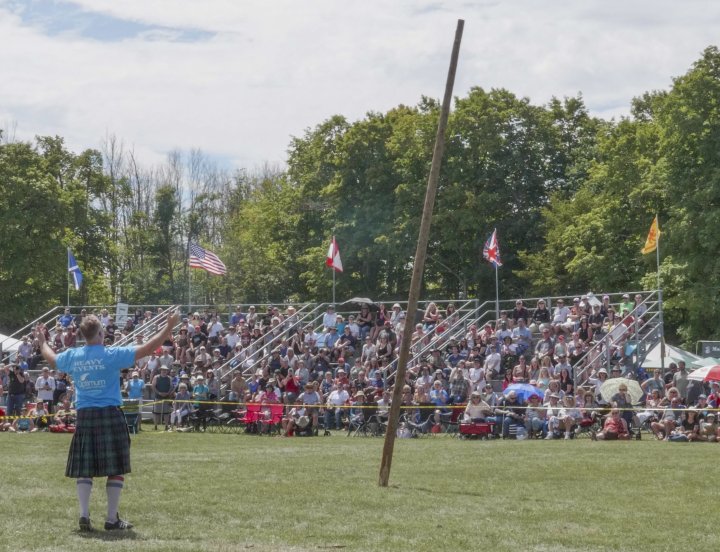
<point>85,524</point>
<point>118,524</point>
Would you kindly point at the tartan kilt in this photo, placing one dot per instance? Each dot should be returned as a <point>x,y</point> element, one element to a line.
<point>101,444</point>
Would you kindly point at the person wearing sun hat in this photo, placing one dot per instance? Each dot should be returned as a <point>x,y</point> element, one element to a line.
<point>311,399</point>
<point>162,389</point>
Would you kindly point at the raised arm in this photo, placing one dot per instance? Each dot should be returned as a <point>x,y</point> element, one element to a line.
<point>47,353</point>
<point>159,338</point>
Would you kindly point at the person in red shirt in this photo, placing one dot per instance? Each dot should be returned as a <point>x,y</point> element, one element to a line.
<point>615,428</point>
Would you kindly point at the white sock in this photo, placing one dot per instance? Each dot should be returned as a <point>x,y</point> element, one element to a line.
<point>113,487</point>
<point>84,489</point>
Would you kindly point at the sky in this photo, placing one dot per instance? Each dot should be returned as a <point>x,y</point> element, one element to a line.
<point>239,78</point>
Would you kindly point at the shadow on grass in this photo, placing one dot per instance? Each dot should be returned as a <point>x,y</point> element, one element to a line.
<point>448,492</point>
<point>108,536</point>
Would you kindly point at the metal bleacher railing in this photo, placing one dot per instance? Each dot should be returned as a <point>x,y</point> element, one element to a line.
<point>255,349</point>
<point>641,335</point>
<point>469,313</point>
<point>45,318</point>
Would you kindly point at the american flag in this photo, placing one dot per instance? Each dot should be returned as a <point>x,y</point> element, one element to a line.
<point>205,259</point>
<point>491,251</point>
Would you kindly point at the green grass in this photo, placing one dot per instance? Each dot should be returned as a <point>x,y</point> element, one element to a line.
<point>191,492</point>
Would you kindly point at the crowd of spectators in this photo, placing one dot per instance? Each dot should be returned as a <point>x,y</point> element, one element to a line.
<point>342,371</point>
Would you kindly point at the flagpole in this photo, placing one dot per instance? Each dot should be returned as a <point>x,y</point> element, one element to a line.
<point>333,267</point>
<point>660,301</point>
<point>497,294</point>
<point>68,277</point>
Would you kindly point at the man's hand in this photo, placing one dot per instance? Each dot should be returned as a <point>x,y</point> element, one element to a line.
<point>40,334</point>
<point>173,319</point>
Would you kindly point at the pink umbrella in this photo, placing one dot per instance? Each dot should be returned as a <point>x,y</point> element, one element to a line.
<point>706,373</point>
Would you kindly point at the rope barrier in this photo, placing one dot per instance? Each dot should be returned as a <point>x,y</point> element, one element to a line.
<point>236,405</point>
<point>434,407</point>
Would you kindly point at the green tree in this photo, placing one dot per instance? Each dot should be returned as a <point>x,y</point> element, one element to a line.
<point>689,120</point>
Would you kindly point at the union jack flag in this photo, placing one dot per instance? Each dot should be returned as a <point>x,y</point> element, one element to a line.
<point>491,251</point>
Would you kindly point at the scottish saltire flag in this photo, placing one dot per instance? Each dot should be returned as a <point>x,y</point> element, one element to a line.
<point>491,251</point>
<point>74,270</point>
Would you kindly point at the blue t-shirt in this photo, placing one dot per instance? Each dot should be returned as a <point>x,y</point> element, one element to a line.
<point>135,389</point>
<point>96,373</point>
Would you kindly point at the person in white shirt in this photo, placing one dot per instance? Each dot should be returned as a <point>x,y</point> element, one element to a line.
<point>476,374</point>
<point>233,337</point>
<point>396,316</point>
<point>477,409</point>
<point>560,315</point>
<point>492,363</point>
<point>354,328</point>
<point>214,329</point>
<point>369,350</point>
<point>337,398</point>
<point>45,386</point>
<point>330,318</point>
<point>148,366</point>
<point>310,335</point>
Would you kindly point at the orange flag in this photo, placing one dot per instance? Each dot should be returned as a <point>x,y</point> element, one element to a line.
<point>652,240</point>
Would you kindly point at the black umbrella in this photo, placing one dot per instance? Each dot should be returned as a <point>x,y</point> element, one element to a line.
<point>360,301</point>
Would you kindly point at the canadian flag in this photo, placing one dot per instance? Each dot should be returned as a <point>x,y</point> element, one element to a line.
<point>333,257</point>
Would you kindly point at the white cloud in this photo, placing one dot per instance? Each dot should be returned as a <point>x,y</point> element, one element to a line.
<point>272,69</point>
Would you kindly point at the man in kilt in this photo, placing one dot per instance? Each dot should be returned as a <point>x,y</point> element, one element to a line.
<point>101,444</point>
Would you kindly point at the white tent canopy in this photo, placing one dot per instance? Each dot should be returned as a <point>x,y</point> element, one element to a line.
<point>9,344</point>
<point>672,354</point>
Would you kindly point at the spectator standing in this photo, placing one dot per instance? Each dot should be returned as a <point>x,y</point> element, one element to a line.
<point>16,390</point>
<point>680,380</point>
<point>45,386</point>
<point>214,329</point>
<point>162,392</point>
<point>329,318</point>
<point>134,388</point>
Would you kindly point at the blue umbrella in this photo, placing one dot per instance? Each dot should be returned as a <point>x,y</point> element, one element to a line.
<point>524,390</point>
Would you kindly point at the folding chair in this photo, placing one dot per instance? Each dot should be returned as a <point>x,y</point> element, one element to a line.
<point>250,418</point>
<point>276,415</point>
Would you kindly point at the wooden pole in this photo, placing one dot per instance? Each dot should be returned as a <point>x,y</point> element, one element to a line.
<point>419,264</point>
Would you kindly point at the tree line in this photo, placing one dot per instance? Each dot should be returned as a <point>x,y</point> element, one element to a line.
<point>572,197</point>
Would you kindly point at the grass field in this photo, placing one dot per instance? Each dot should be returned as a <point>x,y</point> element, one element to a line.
<point>193,492</point>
